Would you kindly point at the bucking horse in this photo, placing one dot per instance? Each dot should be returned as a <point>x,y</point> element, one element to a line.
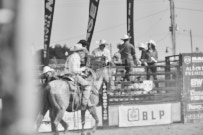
<point>58,97</point>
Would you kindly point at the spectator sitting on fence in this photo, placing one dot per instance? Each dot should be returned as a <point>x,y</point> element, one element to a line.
<point>143,59</point>
<point>128,56</point>
<point>85,61</point>
<point>152,60</point>
<point>117,56</point>
<point>102,51</point>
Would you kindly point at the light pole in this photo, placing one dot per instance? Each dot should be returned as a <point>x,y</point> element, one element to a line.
<point>191,43</point>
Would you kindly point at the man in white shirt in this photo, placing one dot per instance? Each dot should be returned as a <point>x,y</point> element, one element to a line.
<point>72,66</point>
<point>102,51</point>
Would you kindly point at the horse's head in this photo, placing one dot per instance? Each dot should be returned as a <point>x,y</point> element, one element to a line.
<point>99,76</point>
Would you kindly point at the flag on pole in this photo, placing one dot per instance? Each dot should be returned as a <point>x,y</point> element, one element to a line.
<point>48,19</point>
<point>93,8</point>
<point>130,28</point>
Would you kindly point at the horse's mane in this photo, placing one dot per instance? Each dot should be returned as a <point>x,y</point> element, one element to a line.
<point>97,74</point>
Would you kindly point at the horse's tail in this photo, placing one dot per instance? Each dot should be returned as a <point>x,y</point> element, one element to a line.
<point>44,105</point>
<point>46,95</point>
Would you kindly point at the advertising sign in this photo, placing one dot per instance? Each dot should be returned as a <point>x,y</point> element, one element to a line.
<point>192,64</point>
<point>142,115</point>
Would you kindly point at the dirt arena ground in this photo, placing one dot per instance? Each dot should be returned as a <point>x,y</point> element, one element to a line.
<point>172,129</point>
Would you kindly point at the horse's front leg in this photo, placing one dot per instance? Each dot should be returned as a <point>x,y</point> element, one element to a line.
<point>83,121</point>
<point>93,112</point>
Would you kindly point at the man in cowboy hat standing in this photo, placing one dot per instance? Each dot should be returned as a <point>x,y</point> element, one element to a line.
<point>102,51</point>
<point>143,59</point>
<point>128,55</point>
<point>72,67</point>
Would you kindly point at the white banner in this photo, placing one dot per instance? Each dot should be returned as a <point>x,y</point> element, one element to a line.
<point>141,115</point>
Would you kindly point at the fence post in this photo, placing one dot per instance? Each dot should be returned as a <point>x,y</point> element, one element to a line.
<point>167,70</point>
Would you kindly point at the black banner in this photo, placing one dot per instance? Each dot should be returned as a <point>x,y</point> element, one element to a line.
<point>130,28</point>
<point>48,18</point>
<point>192,97</point>
<point>93,8</point>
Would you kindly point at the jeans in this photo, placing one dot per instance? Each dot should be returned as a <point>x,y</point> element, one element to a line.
<point>87,88</point>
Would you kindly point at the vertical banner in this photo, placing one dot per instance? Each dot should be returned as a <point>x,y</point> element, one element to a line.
<point>130,28</point>
<point>49,13</point>
<point>192,66</point>
<point>93,8</point>
<point>105,109</point>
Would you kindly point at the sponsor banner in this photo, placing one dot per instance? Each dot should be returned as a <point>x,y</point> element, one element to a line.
<point>93,8</point>
<point>192,65</point>
<point>73,119</point>
<point>193,59</point>
<point>196,95</point>
<point>196,82</point>
<point>193,117</point>
<point>141,115</point>
<point>48,19</point>
<point>130,27</point>
<point>195,107</point>
<point>194,70</point>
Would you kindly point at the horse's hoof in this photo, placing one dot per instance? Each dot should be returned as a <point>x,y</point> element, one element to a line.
<point>66,130</point>
<point>88,133</point>
<point>56,133</point>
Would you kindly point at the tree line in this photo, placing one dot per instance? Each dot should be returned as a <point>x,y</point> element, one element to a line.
<point>57,52</point>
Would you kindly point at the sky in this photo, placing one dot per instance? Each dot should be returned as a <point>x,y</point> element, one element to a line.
<point>151,22</point>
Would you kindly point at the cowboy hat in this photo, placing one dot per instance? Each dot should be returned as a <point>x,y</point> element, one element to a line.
<point>47,69</point>
<point>142,45</point>
<point>125,37</point>
<point>77,47</point>
<point>152,42</point>
<point>102,42</point>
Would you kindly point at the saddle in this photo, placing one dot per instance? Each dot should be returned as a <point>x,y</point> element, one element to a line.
<point>71,81</point>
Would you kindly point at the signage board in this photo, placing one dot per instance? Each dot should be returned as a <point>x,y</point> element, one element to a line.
<point>192,65</point>
<point>142,115</point>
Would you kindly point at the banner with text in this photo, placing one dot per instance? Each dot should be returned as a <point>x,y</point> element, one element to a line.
<point>130,16</point>
<point>141,115</point>
<point>192,64</point>
<point>48,19</point>
<point>93,8</point>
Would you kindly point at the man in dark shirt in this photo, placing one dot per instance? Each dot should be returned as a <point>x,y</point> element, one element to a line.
<point>85,61</point>
<point>128,56</point>
<point>143,59</point>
